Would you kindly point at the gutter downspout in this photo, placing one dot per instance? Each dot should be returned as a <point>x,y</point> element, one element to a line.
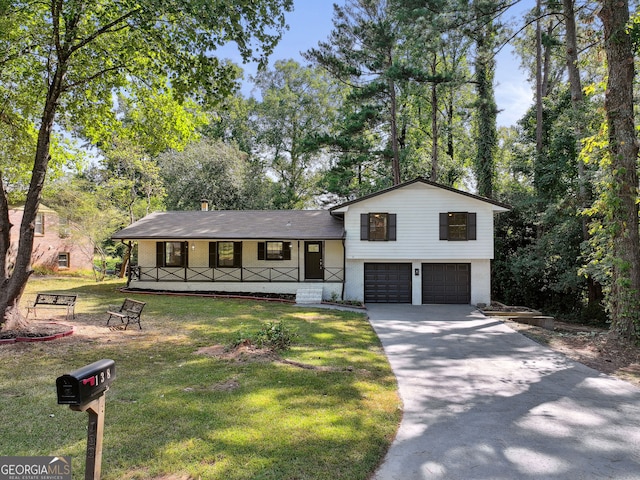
<point>344,266</point>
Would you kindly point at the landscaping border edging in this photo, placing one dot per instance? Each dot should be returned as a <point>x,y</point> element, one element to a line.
<point>205,295</point>
<point>55,336</point>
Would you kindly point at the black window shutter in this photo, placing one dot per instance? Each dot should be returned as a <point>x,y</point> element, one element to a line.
<point>391,227</point>
<point>364,226</point>
<point>471,226</point>
<point>286,250</point>
<point>160,254</point>
<point>237,254</point>
<point>261,251</point>
<point>444,226</point>
<point>213,254</point>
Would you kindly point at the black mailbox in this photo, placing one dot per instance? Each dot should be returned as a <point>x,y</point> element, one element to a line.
<point>85,384</point>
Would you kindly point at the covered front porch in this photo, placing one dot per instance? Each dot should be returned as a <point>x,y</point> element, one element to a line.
<point>309,265</point>
<point>280,252</point>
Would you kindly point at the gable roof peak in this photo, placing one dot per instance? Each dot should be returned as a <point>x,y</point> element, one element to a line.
<point>424,181</point>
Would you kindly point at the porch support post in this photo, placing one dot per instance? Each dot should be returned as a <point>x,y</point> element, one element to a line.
<point>344,267</point>
<point>298,261</point>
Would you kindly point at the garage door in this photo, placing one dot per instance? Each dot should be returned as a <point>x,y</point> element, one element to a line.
<point>387,283</point>
<point>446,283</point>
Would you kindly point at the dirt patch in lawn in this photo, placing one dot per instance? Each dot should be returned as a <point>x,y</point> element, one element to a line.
<point>591,346</point>
<point>244,352</point>
<point>89,329</point>
<point>247,352</point>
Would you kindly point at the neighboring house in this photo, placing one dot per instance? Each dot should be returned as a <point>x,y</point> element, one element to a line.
<point>418,242</point>
<point>54,246</point>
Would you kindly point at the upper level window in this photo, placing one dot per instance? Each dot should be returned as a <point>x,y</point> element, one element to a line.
<point>378,226</point>
<point>39,226</point>
<point>274,250</point>
<point>171,254</point>
<point>457,226</point>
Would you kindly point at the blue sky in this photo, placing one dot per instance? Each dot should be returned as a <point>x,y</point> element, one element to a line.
<point>311,22</point>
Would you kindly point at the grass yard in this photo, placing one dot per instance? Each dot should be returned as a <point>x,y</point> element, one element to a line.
<point>330,412</point>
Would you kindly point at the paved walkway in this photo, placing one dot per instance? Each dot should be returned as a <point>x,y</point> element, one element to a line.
<point>482,401</point>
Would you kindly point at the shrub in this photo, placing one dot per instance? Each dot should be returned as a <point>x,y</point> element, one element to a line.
<point>277,336</point>
<point>273,335</point>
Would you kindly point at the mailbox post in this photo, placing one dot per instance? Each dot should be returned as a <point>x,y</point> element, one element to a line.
<point>83,390</point>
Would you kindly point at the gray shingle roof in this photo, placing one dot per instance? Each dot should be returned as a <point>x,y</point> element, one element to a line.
<point>236,224</point>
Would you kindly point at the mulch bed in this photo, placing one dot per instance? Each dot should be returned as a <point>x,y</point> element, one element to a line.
<point>500,307</point>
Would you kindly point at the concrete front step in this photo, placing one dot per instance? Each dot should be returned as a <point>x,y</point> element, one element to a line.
<point>309,295</point>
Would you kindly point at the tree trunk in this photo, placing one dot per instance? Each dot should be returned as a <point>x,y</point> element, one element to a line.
<point>395,162</point>
<point>594,289</point>
<point>577,96</point>
<point>571,45</point>
<point>539,83</point>
<point>434,132</point>
<point>13,282</point>
<point>486,138</point>
<point>623,149</point>
<point>450,113</point>
<point>546,63</point>
<point>125,261</point>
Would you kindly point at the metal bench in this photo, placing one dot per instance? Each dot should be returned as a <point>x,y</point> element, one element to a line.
<point>129,311</point>
<point>53,300</point>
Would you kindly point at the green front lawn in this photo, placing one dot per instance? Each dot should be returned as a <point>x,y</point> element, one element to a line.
<point>172,411</point>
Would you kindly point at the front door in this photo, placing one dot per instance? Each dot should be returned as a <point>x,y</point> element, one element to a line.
<point>313,267</point>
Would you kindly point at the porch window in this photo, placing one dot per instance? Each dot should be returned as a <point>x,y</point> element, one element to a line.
<point>274,251</point>
<point>225,254</point>
<point>171,254</point>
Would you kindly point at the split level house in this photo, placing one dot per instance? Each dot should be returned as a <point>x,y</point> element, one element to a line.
<point>56,245</point>
<point>417,242</point>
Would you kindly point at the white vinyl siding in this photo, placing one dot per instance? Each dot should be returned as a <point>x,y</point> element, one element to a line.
<point>418,209</point>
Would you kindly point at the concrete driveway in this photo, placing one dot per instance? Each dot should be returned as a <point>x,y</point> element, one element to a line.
<point>482,401</point>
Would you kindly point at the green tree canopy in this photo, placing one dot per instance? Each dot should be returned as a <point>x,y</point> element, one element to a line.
<point>60,59</point>
<point>298,106</point>
<point>217,172</point>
